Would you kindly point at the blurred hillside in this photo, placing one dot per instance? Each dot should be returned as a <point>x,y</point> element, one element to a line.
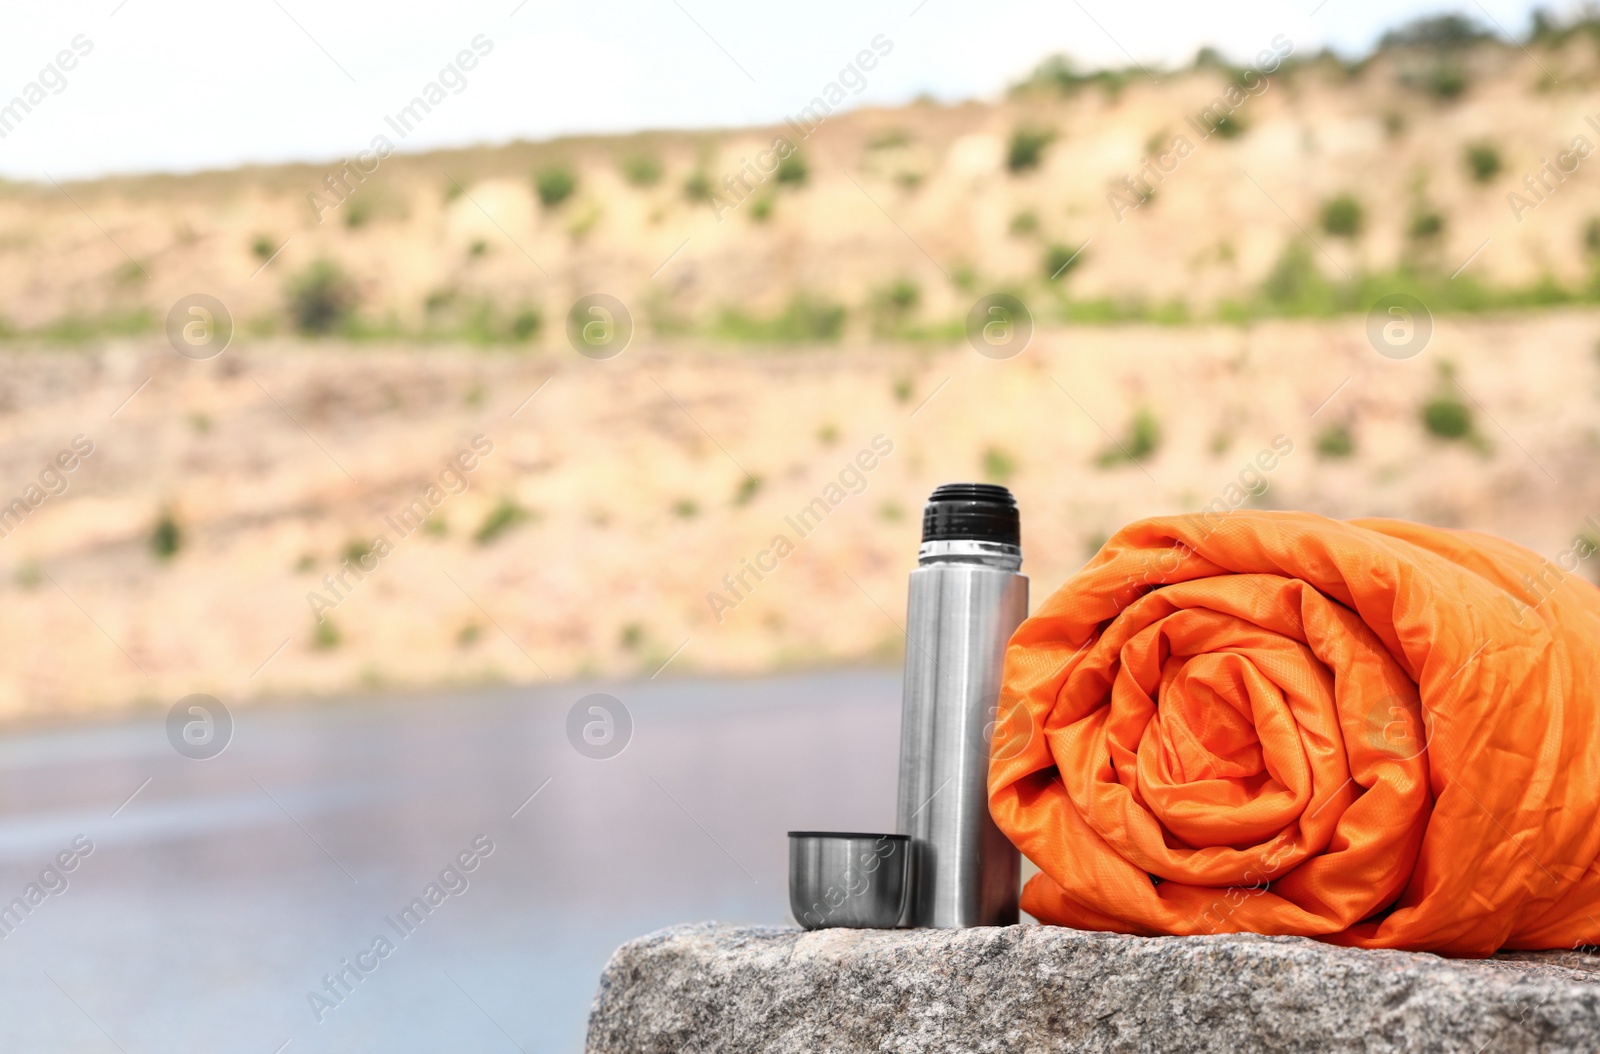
<point>192,549</point>
<point>1117,195</point>
<point>401,473</point>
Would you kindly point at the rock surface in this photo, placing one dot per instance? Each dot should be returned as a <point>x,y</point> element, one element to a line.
<point>708,988</point>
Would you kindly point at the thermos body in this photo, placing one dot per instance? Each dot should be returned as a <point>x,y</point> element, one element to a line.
<point>966,599</point>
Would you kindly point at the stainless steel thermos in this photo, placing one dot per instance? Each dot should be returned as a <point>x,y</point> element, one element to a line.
<point>967,597</point>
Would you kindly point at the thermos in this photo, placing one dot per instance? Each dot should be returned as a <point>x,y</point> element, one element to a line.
<point>967,597</point>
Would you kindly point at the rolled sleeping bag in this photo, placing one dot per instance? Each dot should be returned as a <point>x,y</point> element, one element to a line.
<point>1373,732</point>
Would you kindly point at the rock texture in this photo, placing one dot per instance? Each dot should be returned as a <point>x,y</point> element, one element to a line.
<point>707,988</point>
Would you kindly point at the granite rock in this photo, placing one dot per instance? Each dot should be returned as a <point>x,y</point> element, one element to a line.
<point>707,988</point>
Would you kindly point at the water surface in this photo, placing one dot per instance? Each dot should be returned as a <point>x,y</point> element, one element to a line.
<point>220,896</point>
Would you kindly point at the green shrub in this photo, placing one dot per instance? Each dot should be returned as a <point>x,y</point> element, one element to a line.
<point>1144,437</point>
<point>1061,259</point>
<point>998,465</point>
<point>1229,127</point>
<point>1024,223</point>
<point>761,208</point>
<point>166,537</point>
<point>1446,81</point>
<point>1171,313</point>
<point>505,516</point>
<point>1483,161</point>
<point>1142,440</point>
<point>326,636</point>
<point>262,248</point>
<point>642,170</point>
<point>1591,235</point>
<point>439,299</point>
<point>1103,311</point>
<point>1027,148</point>
<point>74,328</point>
<point>451,316</point>
<point>1426,223</point>
<point>1343,216</point>
<point>321,298</point>
<point>1447,417</point>
<point>1435,33</point>
<point>749,487</point>
<point>1294,286</point>
<point>901,296</point>
<point>697,187</point>
<point>686,508</point>
<point>555,184</point>
<point>793,170</point>
<point>1059,72</point>
<point>894,302</point>
<point>1335,441</point>
<point>806,319</point>
<point>525,324</point>
<point>371,204</point>
<point>1446,38</point>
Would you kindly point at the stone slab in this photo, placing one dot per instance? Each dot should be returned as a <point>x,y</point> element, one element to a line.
<point>708,989</point>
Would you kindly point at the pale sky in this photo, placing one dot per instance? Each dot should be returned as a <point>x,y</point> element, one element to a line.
<point>176,85</point>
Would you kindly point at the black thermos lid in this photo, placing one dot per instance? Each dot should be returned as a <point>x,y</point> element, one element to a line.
<point>973,512</point>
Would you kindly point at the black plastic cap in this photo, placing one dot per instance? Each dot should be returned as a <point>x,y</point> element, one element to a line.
<point>971,512</point>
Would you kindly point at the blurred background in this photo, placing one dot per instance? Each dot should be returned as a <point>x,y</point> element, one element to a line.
<point>507,425</point>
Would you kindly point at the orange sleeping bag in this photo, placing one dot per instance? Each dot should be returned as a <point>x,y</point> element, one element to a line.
<point>1374,733</point>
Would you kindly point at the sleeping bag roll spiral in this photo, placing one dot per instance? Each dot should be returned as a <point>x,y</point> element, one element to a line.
<point>1371,732</point>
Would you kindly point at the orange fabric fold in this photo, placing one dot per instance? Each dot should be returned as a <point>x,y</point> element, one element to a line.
<point>1371,732</point>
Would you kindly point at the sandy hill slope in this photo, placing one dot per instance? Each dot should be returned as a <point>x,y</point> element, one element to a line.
<point>1201,192</point>
<point>401,472</point>
<point>623,517</point>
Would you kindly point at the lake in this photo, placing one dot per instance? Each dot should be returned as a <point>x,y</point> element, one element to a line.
<point>218,896</point>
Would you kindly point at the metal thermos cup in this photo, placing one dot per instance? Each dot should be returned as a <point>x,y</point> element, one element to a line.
<point>966,599</point>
